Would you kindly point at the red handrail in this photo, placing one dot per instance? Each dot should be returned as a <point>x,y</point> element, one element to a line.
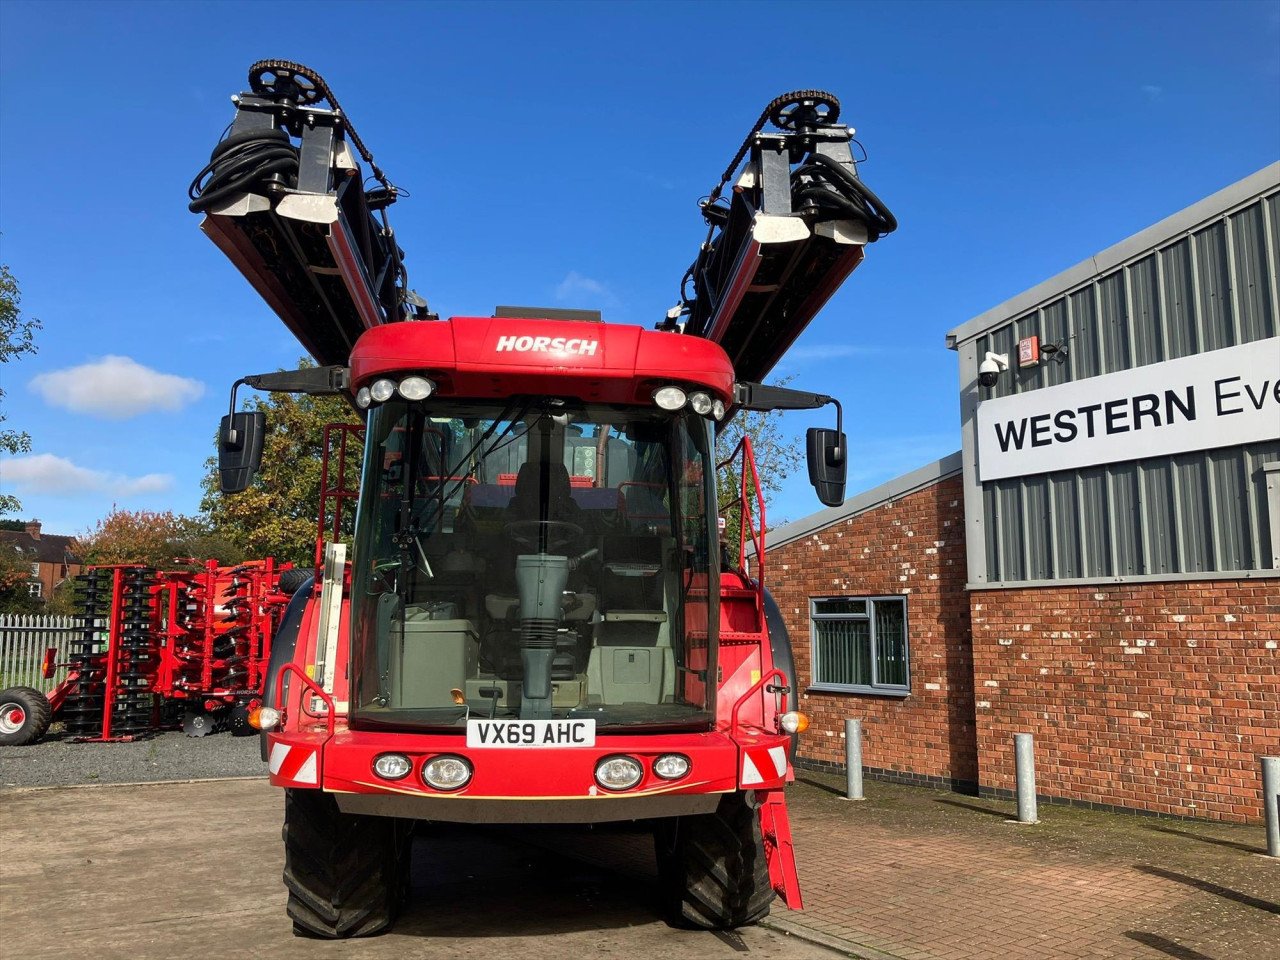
<point>308,682</point>
<point>753,689</point>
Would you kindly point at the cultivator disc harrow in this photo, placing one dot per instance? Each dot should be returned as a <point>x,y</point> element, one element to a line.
<point>162,649</point>
<point>83,709</point>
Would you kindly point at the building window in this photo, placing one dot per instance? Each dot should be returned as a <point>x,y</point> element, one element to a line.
<point>35,588</point>
<point>860,645</point>
<point>35,569</point>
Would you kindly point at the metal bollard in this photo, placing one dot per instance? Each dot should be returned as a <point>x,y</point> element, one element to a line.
<point>1024,752</point>
<point>1271,803</point>
<point>853,759</point>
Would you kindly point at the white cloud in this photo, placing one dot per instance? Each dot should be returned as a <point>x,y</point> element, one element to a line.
<point>575,287</point>
<point>55,476</point>
<point>1153,91</point>
<point>116,388</point>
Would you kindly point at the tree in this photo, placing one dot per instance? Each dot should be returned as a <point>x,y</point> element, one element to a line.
<point>153,538</point>
<point>276,516</point>
<point>17,338</point>
<point>778,455</point>
<point>15,572</point>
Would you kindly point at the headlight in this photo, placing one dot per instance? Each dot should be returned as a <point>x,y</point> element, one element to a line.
<point>671,766</point>
<point>670,398</point>
<point>362,398</point>
<point>717,410</point>
<point>416,388</point>
<point>382,390</point>
<point>447,773</point>
<point>392,766</point>
<point>618,773</point>
<point>701,403</point>
<point>794,722</point>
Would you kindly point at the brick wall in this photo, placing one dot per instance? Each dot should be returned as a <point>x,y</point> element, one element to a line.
<point>913,546</point>
<point>1157,697</point>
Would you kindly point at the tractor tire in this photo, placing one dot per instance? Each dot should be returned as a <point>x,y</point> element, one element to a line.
<point>346,874</point>
<point>292,579</point>
<point>712,867</point>
<point>25,715</point>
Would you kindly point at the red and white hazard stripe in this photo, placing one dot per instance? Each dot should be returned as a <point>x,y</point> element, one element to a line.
<point>293,763</point>
<point>763,765</point>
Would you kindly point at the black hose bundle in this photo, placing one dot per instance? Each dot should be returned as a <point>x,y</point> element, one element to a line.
<point>844,195</point>
<point>239,163</point>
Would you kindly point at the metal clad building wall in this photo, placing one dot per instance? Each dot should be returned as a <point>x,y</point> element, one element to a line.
<point>1213,286</point>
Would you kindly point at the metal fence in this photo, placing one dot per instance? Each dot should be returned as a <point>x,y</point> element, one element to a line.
<point>23,641</point>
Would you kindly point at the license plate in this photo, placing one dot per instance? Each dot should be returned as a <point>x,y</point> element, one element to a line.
<point>531,733</point>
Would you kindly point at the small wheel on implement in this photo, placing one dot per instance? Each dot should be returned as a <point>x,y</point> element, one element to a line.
<point>25,715</point>
<point>197,723</point>
<point>804,110</point>
<point>238,717</point>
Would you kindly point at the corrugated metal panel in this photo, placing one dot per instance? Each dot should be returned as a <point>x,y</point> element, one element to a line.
<point>1212,287</point>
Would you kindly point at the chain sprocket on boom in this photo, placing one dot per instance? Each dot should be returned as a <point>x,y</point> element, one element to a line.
<point>299,219</point>
<point>792,230</point>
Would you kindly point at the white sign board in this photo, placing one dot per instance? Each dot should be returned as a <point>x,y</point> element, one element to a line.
<point>1217,399</point>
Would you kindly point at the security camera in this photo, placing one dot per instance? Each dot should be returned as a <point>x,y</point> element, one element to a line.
<point>989,369</point>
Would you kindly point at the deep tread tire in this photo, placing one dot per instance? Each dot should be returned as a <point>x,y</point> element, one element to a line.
<point>712,867</point>
<point>346,874</point>
<point>37,715</point>
<point>292,579</point>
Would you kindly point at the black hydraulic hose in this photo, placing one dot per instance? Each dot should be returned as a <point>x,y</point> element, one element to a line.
<point>240,162</point>
<point>877,215</point>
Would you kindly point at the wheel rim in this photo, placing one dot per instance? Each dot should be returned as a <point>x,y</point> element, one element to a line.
<point>12,717</point>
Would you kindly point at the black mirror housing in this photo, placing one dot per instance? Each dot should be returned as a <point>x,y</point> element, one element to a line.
<point>828,460</point>
<point>240,449</point>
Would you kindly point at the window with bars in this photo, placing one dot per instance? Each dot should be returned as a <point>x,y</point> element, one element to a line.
<point>860,644</point>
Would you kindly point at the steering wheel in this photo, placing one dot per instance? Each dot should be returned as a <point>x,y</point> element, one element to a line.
<point>559,533</point>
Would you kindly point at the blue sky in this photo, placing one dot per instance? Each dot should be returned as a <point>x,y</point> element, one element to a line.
<point>555,154</point>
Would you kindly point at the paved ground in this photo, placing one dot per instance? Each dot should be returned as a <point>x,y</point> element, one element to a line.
<point>193,870</point>
<point>909,873</point>
<point>923,874</point>
<point>57,761</point>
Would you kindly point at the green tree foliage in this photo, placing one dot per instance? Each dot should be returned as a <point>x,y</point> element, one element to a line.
<point>778,455</point>
<point>156,539</point>
<point>15,572</point>
<point>276,516</point>
<point>17,338</point>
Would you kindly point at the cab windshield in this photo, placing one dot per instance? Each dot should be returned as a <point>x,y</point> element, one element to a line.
<point>534,559</point>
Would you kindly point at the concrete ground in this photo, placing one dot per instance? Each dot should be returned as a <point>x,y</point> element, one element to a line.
<point>193,870</point>
<point>182,870</point>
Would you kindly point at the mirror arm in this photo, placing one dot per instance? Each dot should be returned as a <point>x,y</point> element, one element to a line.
<point>314,381</point>
<point>759,396</point>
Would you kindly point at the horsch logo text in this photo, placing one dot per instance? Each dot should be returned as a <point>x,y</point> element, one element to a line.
<point>574,345</point>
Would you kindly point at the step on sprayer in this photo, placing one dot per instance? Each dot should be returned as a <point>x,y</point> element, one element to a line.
<point>535,619</point>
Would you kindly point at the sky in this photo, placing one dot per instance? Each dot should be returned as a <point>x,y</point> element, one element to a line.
<point>555,154</point>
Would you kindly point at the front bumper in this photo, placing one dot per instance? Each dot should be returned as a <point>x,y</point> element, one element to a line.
<point>524,784</point>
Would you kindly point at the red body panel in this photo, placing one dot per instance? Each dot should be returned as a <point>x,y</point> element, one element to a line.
<point>482,357</point>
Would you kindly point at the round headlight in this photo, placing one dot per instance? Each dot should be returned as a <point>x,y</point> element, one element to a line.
<point>447,773</point>
<point>670,398</point>
<point>717,410</point>
<point>416,388</point>
<point>794,722</point>
<point>618,773</point>
<point>382,390</point>
<point>701,403</point>
<point>363,399</point>
<point>392,766</point>
<point>671,766</point>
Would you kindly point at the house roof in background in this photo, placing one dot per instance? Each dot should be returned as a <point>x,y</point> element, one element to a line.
<point>47,548</point>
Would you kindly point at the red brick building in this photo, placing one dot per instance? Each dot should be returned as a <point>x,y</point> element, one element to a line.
<point>1100,564</point>
<point>52,557</point>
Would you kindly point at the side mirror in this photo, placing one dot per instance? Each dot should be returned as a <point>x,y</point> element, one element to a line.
<point>240,449</point>
<point>827,463</point>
